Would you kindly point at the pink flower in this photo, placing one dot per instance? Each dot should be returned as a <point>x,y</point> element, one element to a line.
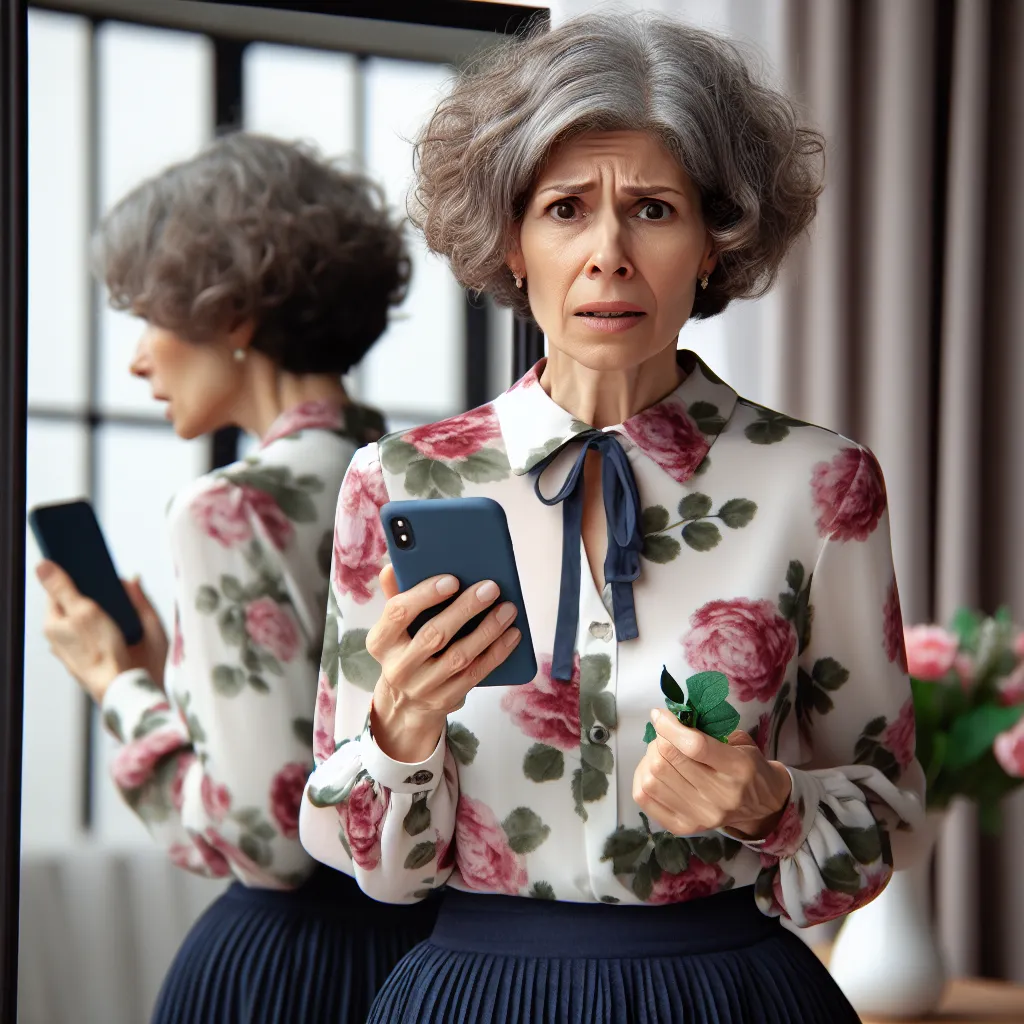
<point>276,525</point>
<point>785,840</point>
<point>1011,688</point>
<point>848,494</point>
<point>285,797</point>
<point>529,379</point>
<point>445,851</point>
<point>185,856</point>
<point>185,762</point>
<point>763,733</point>
<point>546,709</point>
<point>963,665</point>
<point>215,862</point>
<point>457,437</point>
<point>216,799</point>
<point>698,880</point>
<point>361,816</point>
<point>134,762</point>
<point>216,846</point>
<point>1009,750</point>
<point>320,415</point>
<point>892,625</point>
<point>323,719</point>
<point>486,861</point>
<point>746,640</point>
<point>359,542</point>
<point>271,627</point>
<point>670,435</point>
<point>899,736</point>
<point>224,512</point>
<point>931,651</point>
<point>178,642</point>
<point>1018,644</point>
<point>830,904</point>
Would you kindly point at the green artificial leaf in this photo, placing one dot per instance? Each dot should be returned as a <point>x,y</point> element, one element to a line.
<point>706,690</point>
<point>525,830</point>
<point>720,721</point>
<point>543,763</point>
<point>661,549</point>
<point>670,688</point>
<point>654,519</point>
<point>420,856</point>
<point>737,513</point>
<point>650,733</point>
<point>695,506</point>
<point>702,536</point>
<point>462,743</point>
<point>966,625</point>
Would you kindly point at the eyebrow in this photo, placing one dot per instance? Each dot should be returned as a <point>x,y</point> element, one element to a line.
<point>576,189</point>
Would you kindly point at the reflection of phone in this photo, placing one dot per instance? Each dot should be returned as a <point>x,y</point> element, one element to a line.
<point>467,538</point>
<point>69,535</point>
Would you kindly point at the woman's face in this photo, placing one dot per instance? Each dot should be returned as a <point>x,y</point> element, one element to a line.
<point>201,383</point>
<point>613,227</point>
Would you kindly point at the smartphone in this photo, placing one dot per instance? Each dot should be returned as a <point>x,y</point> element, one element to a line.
<point>466,538</point>
<point>69,535</point>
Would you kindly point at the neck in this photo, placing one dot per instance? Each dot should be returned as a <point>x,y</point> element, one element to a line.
<point>604,398</point>
<point>272,391</point>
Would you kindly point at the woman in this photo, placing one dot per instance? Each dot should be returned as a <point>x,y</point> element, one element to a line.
<point>262,274</point>
<point>614,179</point>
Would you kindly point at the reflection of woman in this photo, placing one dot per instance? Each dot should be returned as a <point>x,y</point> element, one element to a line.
<point>263,274</point>
<point>614,179</point>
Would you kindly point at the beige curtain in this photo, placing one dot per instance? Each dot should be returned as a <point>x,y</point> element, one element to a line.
<point>904,328</point>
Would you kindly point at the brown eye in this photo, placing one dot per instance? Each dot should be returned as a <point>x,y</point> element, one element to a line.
<point>655,210</point>
<point>563,211</point>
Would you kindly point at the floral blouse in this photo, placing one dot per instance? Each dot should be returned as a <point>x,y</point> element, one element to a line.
<point>763,553</point>
<point>214,762</point>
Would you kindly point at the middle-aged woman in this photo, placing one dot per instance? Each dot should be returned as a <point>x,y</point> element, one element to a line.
<point>263,273</point>
<point>614,179</point>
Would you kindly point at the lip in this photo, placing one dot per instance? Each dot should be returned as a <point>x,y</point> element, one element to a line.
<point>609,307</point>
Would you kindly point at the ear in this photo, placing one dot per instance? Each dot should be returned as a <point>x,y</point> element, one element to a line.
<point>514,255</point>
<point>709,259</point>
<point>240,336</point>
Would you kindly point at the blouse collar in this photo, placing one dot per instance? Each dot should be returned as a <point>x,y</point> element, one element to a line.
<point>359,422</point>
<point>676,433</point>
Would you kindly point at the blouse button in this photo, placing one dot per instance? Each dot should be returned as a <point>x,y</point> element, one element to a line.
<point>601,630</point>
<point>421,778</point>
<point>598,734</point>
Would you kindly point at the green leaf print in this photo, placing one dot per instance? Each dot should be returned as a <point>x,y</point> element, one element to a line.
<point>228,681</point>
<point>258,683</point>
<point>397,456</point>
<point>255,850</point>
<point>703,467</point>
<point>604,709</point>
<point>269,663</point>
<point>737,513</point>
<point>310,482</point>
<point>542,891</point>
<point>462,743</point>
<point>709,849</point>
<point>420,856</point>
<point>232,626</point>
<point>695,506</point>
<point>525,830</point>
<point>595,672</point>
<point>593,784</point>
<point>795,604</point>
<point>865,844</point>
<point>429,475</point>
<point>543,763</point>
<point>327,796</point>
<point>325,553</point>
<point>417,819</point>
<point>707,417</point>
<point>207,600</point>
<point>151,719</point>
<point>446,480</point>
<point>795,576</point>
<point>265,831</point>
<point>357,664</point>
<point>624,843</point>
<point>643,882</point>
<point>840,873</point>
<point>485,466</point>
<point>577,794</point>
<point>302,730</point>
<point>702,536</point>
<point>875,727</point>
<point>597,756</point>
<point>112,722</point>
<point>654,519</point>
<point>671,853</point>
<point>829,674</point>
<point>661,549</point>
<point>232,589</point>
<point>770,427</point>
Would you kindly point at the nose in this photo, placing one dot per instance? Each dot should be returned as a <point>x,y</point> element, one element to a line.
<point>609,257</point>
<point>139,366</point>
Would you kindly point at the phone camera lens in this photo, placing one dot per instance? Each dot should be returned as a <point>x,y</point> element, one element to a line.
<point>402,532</point>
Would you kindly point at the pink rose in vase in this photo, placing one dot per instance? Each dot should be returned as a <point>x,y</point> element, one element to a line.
<point>546,709</point>
<point>931,652</point>
<point>848,494</point>
<point>458,437</point>
<point>271,627</point>
<point>1011,687</point>
<point>1009,750</point>
<point>486,860</point>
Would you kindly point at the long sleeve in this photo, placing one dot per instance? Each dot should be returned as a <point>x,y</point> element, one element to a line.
<point>388,824</point>
<point>215,767</point>
<point>858,792</point>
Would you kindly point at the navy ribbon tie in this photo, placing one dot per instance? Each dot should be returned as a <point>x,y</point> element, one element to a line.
<point>625,541</point>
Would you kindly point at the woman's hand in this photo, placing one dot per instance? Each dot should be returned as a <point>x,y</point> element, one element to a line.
<point>88,641</point>
<point>416,689</point>
<point>693,783</point>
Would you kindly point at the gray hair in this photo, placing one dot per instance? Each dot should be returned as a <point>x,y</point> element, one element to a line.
<point>758,170</point>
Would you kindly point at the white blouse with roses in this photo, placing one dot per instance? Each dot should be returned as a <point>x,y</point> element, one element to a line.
<point>214,762</point>
<point>761,550</point>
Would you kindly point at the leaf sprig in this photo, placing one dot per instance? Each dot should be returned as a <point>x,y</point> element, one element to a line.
<point>704,706</point>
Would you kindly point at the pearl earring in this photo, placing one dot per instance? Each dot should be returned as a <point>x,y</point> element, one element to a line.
<point>239,355</point>
<point>704,283</point>
<point>519,280</point>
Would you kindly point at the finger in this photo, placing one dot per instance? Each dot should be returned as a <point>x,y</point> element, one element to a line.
<point>456,688</point>
<point>401,610</point>
<point>463,653</point>
<point>138,598</point>
<point>679,821</point>
<point>57,583</point>
<point>388,583</point>
<point>739,738</point>
<point>692,743</point>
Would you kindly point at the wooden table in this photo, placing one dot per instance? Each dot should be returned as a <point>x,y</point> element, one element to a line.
<point>968,1001</point>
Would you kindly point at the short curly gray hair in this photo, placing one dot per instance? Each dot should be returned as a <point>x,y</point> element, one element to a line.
<point>255,228</point>
<point>758,169</point>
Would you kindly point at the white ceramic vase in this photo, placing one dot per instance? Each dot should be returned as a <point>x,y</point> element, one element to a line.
<point>886,956</point>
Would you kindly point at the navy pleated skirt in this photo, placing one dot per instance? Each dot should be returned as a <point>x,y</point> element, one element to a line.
<point>314,955</point>
<point>515,960</point>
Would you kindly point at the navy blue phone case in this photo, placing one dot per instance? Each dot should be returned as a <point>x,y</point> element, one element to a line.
<point>69,535</point>
<point>467,538</point>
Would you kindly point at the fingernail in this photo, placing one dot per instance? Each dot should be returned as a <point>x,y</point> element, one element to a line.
<point>447,585</point>
<point>512,637</point>
<point>487,591</point>
<point>655,715</point>
<point>44,570</point>
<point>506,613</point>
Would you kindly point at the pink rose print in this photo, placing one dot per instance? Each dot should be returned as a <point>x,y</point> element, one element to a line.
<point>359,542</point>
<point>223,510</point>
<point>785,840</point>
<point>1009,750</point>
<point>275,523</point>
<point>361,816</point>
<point>763,733</point>
<point>216,846</point>
<point>134,762</point>
<point>185,762</point>
<point>285,797</point>
<point>830,904</point>
<point>931,651</point>
<point>529,379</point>
<point>899,736</point>
<point>216,799</point>
<point>178,643</point>
<point>892,617</point>
<point>547,710</point>
<point>271,627</point>
<point>322,415</point>
<point>457,437</point>
<point>698,880</point>
<point>323,719</point>
<point>849,499</point>
<point>671,437</point>
<point>1011,688</point>
<point>186,857</point>
<point>216,863</point>
<point>747,640</point>
<point>486,861</point>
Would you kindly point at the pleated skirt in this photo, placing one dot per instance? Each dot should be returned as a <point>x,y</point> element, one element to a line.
<point>314,955</point>
<point>523,961</point>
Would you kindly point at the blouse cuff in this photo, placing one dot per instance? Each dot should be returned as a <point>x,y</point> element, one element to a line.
<point>398,776</point>
<point>797,820</point>
<point>132,701</point>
